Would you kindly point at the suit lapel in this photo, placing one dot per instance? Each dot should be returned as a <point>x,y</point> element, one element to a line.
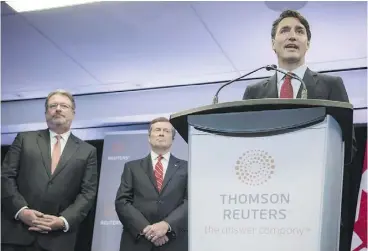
<point>171,169</point>
<point>270,87</point>
<point>146,164</point>
<point>70,148</point>
<point>310,80</point>
<point>43,142</point>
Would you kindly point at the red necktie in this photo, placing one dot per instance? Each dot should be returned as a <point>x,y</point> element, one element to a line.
<point>159,173</point>
<point>286,88</point>
<point>56,153</point>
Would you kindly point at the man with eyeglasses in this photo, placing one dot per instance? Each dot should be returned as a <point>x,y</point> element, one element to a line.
<point>48,183</point>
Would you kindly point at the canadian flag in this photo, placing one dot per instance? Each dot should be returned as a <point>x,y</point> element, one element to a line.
<point>359,241</point>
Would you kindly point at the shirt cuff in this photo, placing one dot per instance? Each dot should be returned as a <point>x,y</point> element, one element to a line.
<point>169,228</point>
<point>20,210</point>
<point>66,228</point>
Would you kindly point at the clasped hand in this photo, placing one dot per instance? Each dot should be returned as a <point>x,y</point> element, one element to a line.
<point>156,233</point>
<point>39,222</point>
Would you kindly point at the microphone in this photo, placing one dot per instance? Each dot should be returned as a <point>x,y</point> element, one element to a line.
<point>293,75</point>
<point>267,67</point>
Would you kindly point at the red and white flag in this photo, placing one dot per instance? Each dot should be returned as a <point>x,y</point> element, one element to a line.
<point>359,241</point>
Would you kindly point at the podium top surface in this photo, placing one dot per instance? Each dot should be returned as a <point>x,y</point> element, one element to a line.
<point>341,111</point>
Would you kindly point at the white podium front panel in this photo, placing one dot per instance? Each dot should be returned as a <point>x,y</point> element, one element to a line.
<point>266,193</point>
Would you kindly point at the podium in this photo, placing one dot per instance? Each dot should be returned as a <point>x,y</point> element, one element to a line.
<point>266,174</point>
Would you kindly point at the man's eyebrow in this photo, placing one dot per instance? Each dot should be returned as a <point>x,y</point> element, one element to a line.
<point>285,27</point>
<point>296,26</point>
<point>300,27</point>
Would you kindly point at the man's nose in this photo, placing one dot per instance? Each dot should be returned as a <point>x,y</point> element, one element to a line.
<point>292,35</point>
<point>58,107</point>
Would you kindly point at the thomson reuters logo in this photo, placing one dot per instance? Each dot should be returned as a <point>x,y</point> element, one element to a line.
<point>255,167</point>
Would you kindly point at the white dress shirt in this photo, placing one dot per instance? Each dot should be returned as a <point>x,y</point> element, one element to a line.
<point>165,161</point>
<point>64,138</point>
<point>300,71</point>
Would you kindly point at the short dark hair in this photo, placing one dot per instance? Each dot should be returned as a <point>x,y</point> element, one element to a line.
<point>160,119</point>
<point>294,14</point>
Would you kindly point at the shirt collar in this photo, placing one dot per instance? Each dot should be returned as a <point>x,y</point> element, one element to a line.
<point>64,136</point>
<point>300,71</point>
<point>165,156</point>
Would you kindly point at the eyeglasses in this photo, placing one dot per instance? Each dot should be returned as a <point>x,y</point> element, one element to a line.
<point>62,106</point>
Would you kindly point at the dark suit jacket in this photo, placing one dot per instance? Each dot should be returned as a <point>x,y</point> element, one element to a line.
<point>138,204</point>
<point>319,86</point>
<point>26,180</point>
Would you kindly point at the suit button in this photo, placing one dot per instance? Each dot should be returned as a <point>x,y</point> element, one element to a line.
<point>50,183</point>
<point>159,202</point>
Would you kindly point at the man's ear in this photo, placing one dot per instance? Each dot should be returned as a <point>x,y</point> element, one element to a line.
<point>273,45</point>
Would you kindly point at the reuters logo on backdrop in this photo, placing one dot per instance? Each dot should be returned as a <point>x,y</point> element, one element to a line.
<point>255,167</point>
<point>117,148</point>
<point>109,216</point>
<point>109,210</point>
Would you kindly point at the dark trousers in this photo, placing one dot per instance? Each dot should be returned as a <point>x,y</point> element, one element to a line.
<point>12,247</point>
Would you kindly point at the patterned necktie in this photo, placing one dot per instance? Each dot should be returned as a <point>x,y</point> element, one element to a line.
<point>56,153</point>
<point>159,173</point>
<point>286,88</point>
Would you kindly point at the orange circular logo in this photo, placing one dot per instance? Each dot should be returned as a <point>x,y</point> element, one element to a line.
<point>255,167</point>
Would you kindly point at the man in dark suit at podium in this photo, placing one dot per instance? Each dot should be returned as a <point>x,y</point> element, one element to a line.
<point>291,36</point>
<point>152,200</point>
<point>48,183</point>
